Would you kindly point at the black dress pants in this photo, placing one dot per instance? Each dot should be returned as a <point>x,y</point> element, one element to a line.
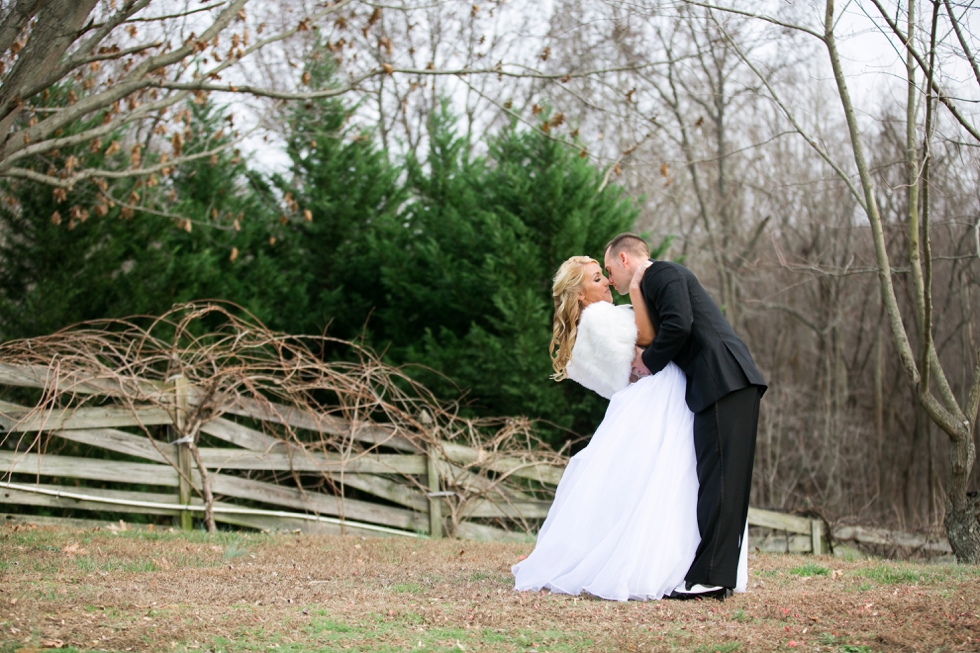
<point>724,442</point>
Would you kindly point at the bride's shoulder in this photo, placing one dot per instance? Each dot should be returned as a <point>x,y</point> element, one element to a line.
<point>605,325</point>
<point>603,349</point>
<point>603,315</point>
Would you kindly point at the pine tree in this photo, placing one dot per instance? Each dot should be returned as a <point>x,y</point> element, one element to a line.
<point>344,188</point>
<point>232,247</point>
<point>468,268</point>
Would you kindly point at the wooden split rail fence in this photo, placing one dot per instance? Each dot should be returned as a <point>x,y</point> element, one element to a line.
<point>161,479</point>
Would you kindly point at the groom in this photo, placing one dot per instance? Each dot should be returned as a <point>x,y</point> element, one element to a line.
<point>723,391</point>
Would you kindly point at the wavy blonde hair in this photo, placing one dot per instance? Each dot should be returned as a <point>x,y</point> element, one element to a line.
<point>569,283</point>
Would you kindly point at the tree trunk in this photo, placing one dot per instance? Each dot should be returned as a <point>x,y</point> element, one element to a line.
<point>961,512</point>
<point>963,530</point>
<point>57,28</point>
<point>962,508</point>
<point>916,481</point>
<point>879,372</point>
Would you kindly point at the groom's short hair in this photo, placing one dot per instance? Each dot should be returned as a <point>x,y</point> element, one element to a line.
<point>630,243</point>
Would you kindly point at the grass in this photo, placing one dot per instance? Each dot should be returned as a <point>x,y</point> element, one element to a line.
<point>89,564</point>
<point>897,573</point>
<point>828,639</point>
<point>328,626</point>
<point>236,592</point>
<point>385,635</point>
<point>904,573</point>
<point>810,569</point>
<point>726,647</point>
<point>834,643</point>
<point>234,549</point>
<point>889,574</point>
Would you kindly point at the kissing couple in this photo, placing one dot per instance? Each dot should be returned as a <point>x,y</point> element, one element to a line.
<point>656,505</point>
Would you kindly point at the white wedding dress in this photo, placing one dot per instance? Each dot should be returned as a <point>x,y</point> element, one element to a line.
<point>624,521</point>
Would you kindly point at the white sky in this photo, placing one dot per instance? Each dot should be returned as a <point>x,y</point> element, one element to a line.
<point>874,67</point>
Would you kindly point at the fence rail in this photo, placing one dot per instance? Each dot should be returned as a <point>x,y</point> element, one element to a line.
<point>169,485</point>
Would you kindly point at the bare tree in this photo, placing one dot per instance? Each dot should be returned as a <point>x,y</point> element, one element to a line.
<point>120,67</point>
<point>700,127</point>
<point>922,367</point>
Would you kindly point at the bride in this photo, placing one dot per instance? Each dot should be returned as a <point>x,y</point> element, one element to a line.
<point>623,524</point>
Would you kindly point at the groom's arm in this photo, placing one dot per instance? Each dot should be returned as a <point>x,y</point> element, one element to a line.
<point>666,293</point>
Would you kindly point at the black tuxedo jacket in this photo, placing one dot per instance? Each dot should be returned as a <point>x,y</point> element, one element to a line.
<point>692,332</point>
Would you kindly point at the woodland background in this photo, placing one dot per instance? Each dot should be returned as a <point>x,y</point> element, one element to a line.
<point>425,203</point>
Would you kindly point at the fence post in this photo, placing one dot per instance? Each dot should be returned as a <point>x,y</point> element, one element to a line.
<point>183,451</point>
<point>434,494</point>
<point>816,536</point>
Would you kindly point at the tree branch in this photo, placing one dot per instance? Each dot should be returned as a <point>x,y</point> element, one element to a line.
<point>183,14</point>
<point>117,55</point>
<point>75,139</point>
<point>530,73</point>
<point>264,92</point>
<point>749,14</point>
<point>17,18</point>
<point>912,162</point>
<point>926,299</point>
<point>949,420</point>
<point>49,40</point>
<point>78,58</point>
<point>89,173</point>
<point>802,319</point>
<point>942,97</point>
<point>963,43</point>
<point>133,82</point>
<point>796,125</point>
<point>973,401</point>
<point>871,207</point>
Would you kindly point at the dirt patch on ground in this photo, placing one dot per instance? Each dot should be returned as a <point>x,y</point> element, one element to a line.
<point>165,591</point>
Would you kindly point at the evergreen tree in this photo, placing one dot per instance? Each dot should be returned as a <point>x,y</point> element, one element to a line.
<point>234,249</point>
<point>344,188</point>
<point>468,268</point>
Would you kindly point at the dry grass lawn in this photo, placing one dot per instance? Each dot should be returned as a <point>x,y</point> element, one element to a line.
<point>172,591</point>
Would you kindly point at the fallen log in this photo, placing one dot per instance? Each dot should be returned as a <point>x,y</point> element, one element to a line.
<point>881,536</point>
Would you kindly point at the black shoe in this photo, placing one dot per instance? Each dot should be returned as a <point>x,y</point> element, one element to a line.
<point>681,596</point>
<point>719,594</point>
<point>722,594</point>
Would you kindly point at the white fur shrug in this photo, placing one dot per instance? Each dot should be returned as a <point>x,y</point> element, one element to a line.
<point>604,348</point>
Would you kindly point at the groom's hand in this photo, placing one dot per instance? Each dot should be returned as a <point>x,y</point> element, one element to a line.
<point>638,274</point>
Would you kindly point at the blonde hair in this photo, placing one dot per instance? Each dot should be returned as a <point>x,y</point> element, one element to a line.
<point>568,284</point>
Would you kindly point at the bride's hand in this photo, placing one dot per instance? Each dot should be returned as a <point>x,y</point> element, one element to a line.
<point>638,369</point>
<point>638,274</point>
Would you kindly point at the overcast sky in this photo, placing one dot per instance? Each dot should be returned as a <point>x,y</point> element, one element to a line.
<point>874,65</point>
